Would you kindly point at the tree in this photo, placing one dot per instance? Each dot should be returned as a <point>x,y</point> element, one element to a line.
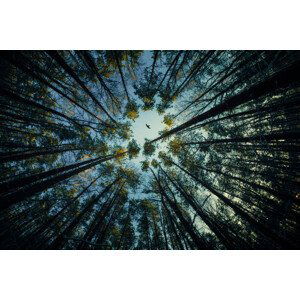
<point>222,174</point>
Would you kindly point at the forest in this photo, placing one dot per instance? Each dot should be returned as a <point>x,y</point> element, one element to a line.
<point>216,167</point>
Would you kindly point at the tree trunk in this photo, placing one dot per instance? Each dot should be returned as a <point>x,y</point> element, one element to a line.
<point>282,79</point>
<point>59,59</point>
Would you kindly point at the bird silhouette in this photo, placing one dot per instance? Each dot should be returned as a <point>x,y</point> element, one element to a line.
<point>148,126</point>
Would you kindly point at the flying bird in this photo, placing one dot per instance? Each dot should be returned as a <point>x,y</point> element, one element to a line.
<point>148,126</point>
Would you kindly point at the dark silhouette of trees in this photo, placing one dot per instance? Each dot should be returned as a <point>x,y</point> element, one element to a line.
<point>223,174</point>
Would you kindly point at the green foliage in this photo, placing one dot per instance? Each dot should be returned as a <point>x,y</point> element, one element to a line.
<point>175,146</point>
<point>130,175</point>
<point>166,159</point>
<point>125,131</point>
<point>145,165</point>
<point>154,163</point>
<point>133,149</point>
<point>132,111</point>
<point>226,179</point>
<point>168,120</point>
<point>149,148</point>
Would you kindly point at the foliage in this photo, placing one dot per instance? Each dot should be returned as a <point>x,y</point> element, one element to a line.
<point>149,148</point>
<point>224,180</point>
<point>133,149</point>
<point>168,120</point>
<point>145,165</point>
<point>131,111</point>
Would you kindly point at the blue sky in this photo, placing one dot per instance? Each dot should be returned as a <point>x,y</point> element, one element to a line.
<point>140,131</point>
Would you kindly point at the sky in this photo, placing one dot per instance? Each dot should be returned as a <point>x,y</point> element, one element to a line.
<point>139,129</point>
<point>152,118</point>
<point>141,132</point>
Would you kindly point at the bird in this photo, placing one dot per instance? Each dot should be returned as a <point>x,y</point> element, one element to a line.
<point>148,126</point>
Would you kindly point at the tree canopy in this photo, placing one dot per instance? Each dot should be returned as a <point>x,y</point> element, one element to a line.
<point>223,172</point>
